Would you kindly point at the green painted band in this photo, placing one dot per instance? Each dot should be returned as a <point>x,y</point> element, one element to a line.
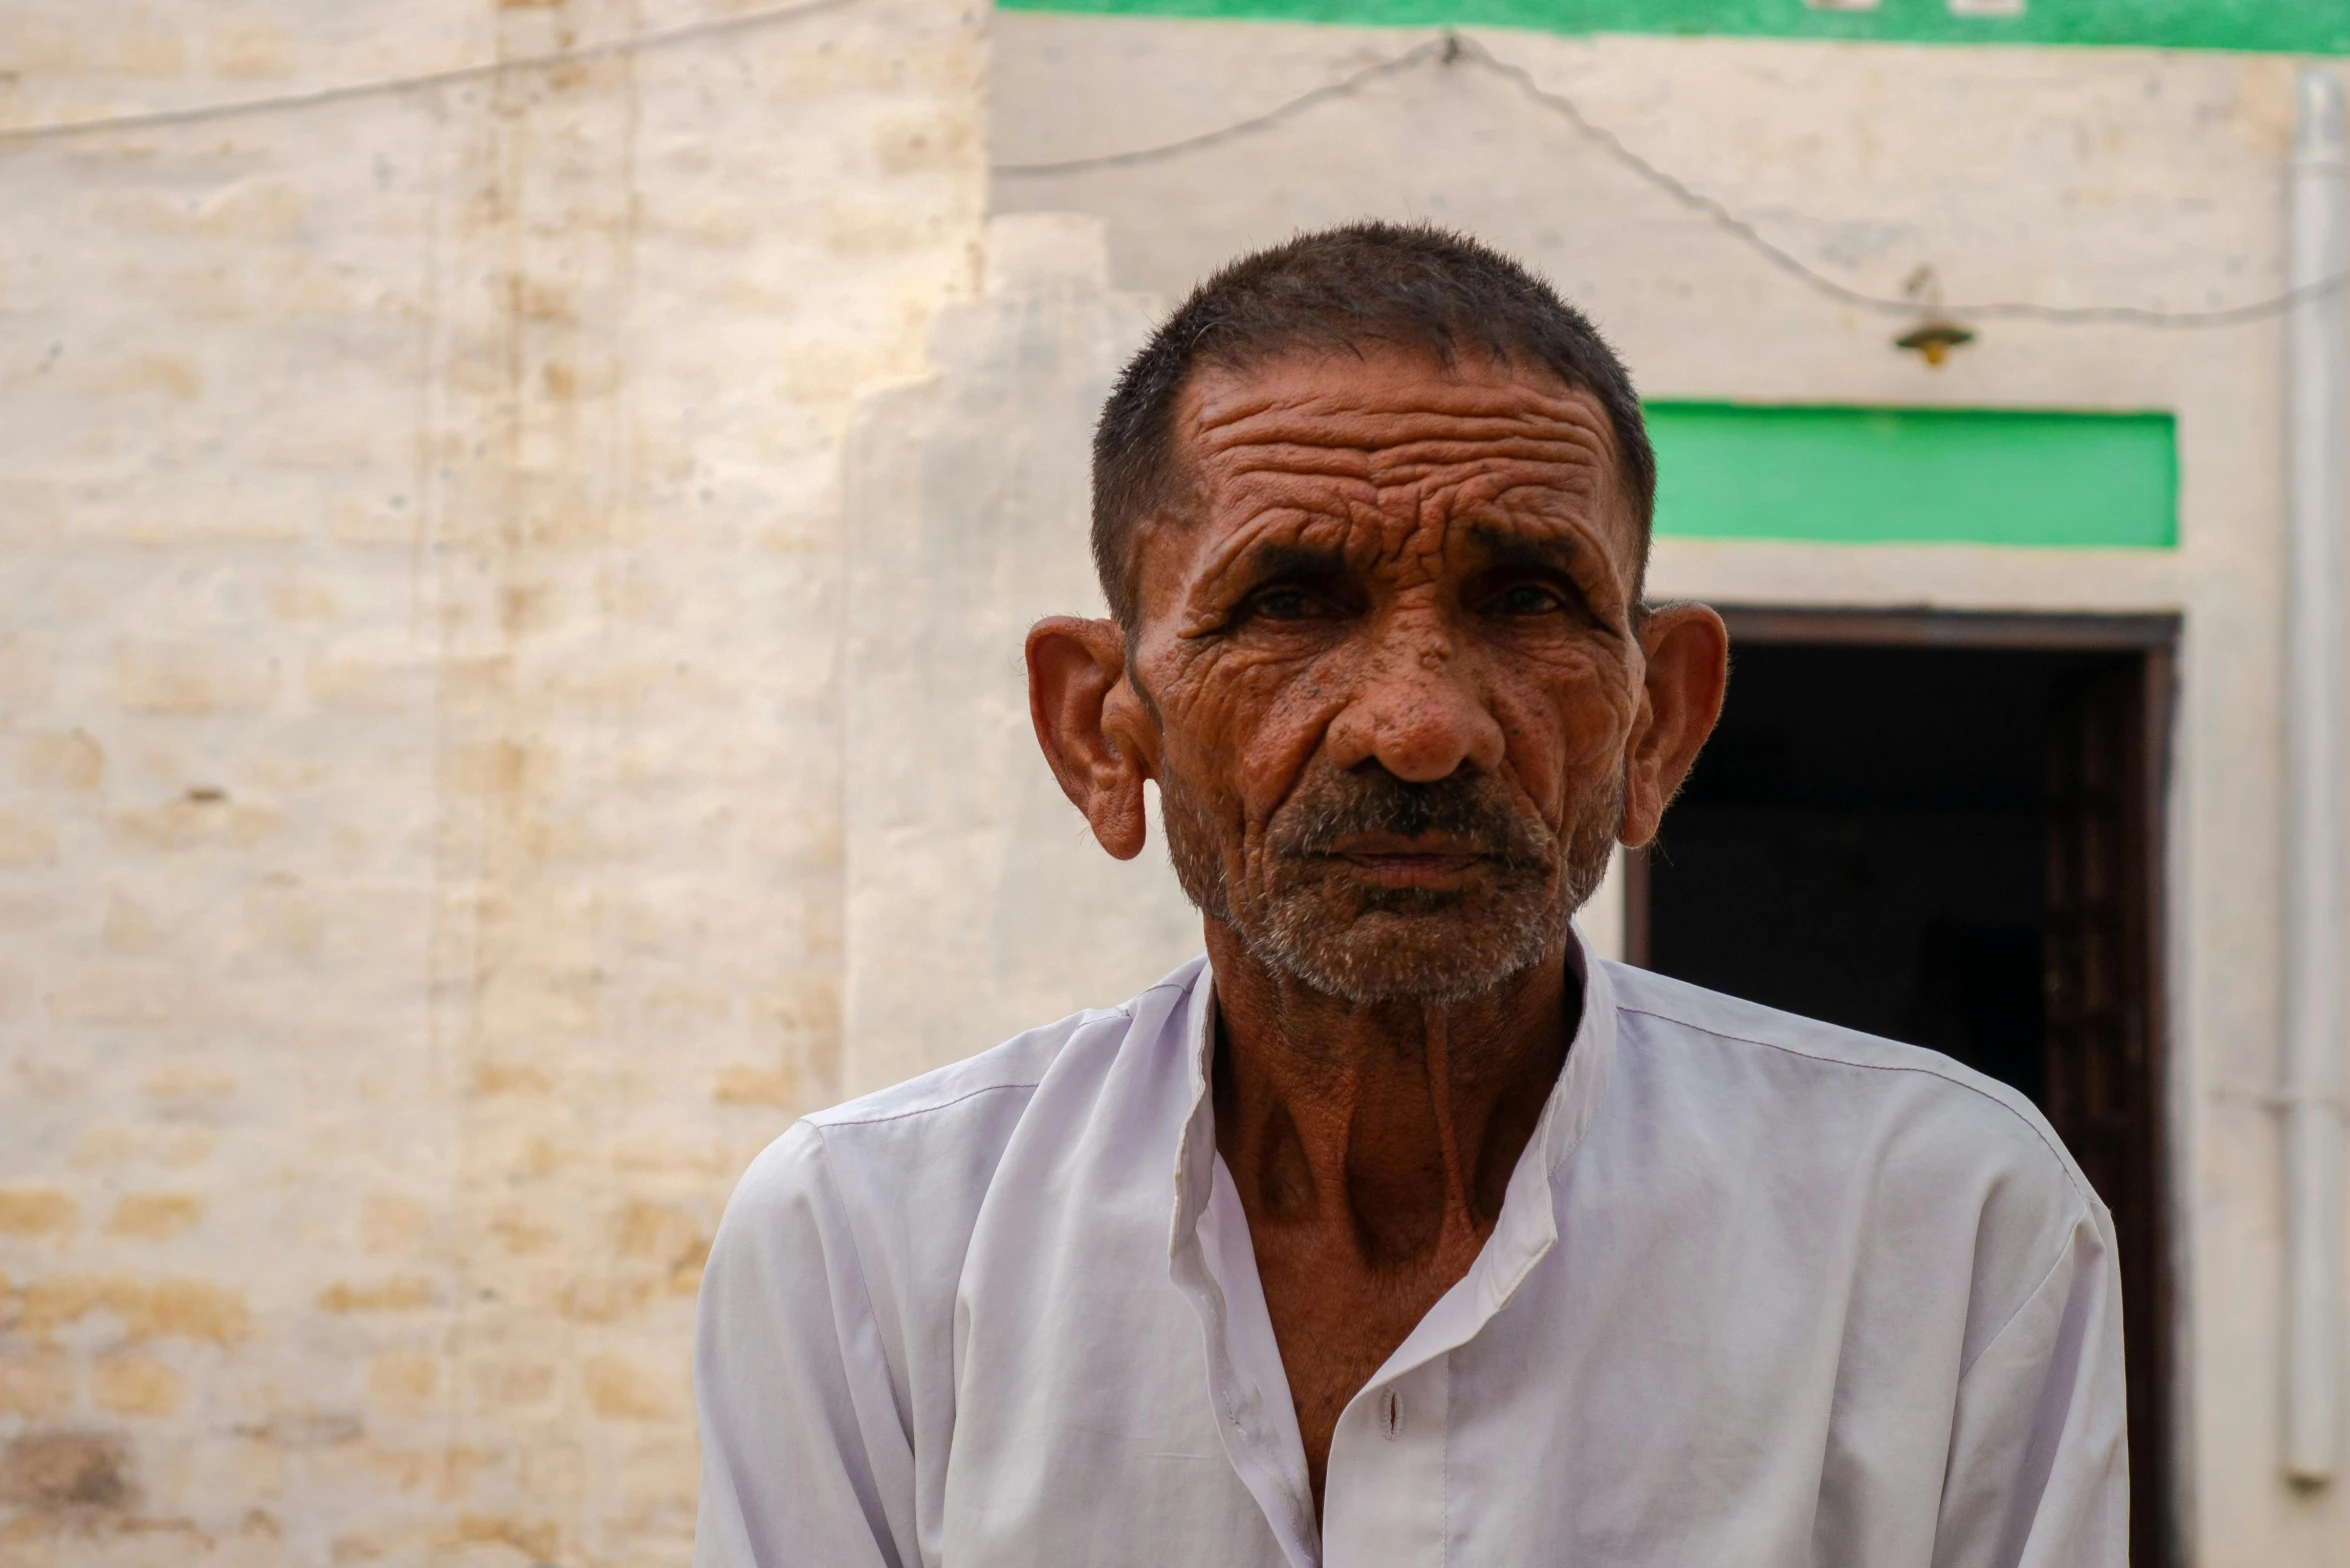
<point>1916,475</point>
<point>2274,26</point>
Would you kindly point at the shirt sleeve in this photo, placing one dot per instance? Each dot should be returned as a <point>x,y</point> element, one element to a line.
<point>805,1453</point>
<point>2039,1459</point>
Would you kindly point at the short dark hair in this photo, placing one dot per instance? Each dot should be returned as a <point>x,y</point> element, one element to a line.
<point>1344,289</point>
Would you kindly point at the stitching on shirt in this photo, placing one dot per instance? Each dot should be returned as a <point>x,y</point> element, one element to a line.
<point>919,1110</point>
<point>2062,1163</point>
<point>1124,1009</point>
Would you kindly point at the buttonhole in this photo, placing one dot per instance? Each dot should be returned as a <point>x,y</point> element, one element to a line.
<point>1394,1414</point>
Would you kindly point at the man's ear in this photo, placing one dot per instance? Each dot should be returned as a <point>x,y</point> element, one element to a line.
<point>1688,652</point>
<point>1089,724</point>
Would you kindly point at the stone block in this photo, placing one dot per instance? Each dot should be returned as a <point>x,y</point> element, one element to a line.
<point>193,678</point>
<point>154,1216</point>
<point>38,1212</point>
<point>623,1390</point>
<point>36,1385</point>
<point>27,837</point>
<point>60,759</point>
<point>136,1385</point>
<point>404,1381</point>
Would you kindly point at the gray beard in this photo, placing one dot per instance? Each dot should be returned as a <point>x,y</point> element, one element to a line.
<point>1306,918</point>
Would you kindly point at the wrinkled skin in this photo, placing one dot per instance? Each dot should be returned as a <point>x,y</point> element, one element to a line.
<point>1392,679</point>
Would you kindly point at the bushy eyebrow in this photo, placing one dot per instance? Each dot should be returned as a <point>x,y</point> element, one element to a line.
<point>1551,552</point>
<point>1299,563</point>
<point>1254,567</point>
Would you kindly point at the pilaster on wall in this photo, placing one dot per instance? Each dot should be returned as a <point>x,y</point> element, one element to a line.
<point>978,904</point>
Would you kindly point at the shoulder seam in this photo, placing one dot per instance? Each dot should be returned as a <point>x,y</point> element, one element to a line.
<point>2063,1163</point>
<point>919,1110</point>
<point>1123,1010</point>
<point>2029,1297</point>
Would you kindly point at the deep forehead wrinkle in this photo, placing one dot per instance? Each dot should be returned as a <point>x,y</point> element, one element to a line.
<point>1293,421</point>
<point>1222,398</point>
<point>1374,441</point>
<point>1338,493</point>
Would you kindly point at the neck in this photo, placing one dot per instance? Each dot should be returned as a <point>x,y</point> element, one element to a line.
<point>1401,1120</point>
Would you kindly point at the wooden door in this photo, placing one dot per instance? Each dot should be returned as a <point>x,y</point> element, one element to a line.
<point>2102,1061</point>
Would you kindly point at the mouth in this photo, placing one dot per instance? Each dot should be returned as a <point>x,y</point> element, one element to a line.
<point>1390,860</point>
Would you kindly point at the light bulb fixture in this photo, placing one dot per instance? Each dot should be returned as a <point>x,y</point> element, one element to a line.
<point>1936,334</point>
<point>1934,338</point>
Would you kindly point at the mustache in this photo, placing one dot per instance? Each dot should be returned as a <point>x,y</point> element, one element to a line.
<point>1475,808</point>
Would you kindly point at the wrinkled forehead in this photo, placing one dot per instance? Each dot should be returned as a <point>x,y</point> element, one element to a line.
<point>1395,451</point>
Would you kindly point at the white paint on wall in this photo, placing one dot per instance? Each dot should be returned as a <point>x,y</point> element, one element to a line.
<point>978,903</point>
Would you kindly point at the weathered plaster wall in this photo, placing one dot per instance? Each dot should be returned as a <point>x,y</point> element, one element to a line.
<point>420,764</point>
<point>2062,176</point>
<point>978,903</point>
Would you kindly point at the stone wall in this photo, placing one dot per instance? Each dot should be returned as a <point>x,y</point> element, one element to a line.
<point>420,768</point>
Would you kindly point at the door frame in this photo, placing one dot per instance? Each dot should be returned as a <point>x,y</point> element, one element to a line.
<point>2157,1517</point>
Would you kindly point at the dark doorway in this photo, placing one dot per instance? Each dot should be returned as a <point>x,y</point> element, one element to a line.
<point>1945,829</point>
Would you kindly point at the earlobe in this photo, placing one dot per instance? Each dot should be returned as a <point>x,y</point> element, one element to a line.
<point>1688,668</point>
<point>1082,706</point>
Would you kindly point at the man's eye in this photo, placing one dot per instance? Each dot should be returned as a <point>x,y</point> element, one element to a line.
<point>1528,599</point>
<point>1285,604</point>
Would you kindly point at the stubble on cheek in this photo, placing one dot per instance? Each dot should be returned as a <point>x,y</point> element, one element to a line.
<point>1273,879</point>
<point>1309,913</point>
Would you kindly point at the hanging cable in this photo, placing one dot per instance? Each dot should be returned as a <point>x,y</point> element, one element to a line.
<point>1448,49</point>
<point>585,54</point>
<point>1454,49</point>
<point>1345,87</point>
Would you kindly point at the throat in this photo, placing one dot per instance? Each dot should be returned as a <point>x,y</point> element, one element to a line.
<point>1402,1160</point>
<point>1407,1188</point>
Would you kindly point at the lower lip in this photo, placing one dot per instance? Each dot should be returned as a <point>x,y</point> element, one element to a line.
<point>1413,870</point>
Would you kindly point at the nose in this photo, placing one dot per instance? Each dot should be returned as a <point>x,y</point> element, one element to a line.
<point>1418,714</point>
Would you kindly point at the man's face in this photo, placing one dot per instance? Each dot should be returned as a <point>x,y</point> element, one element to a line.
<point>1390,647</point>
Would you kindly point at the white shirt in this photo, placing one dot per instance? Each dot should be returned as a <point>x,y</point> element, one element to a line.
<point>1762,1291</point>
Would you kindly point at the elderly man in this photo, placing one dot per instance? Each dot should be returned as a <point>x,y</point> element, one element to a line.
<point>1398,1228</point>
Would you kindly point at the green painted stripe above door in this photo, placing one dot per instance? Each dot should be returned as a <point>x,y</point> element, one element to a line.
<point>1916,475</point>
<point>2279,26</point>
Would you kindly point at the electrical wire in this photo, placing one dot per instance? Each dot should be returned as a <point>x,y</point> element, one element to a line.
<point>1448,49</point>
<point>584,54</point>
<point>1344,87</point>
<point>1452,49</point>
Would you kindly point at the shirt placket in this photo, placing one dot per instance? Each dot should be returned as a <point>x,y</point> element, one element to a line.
<point>1387,1489</point>
<point>1384,1499</point>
